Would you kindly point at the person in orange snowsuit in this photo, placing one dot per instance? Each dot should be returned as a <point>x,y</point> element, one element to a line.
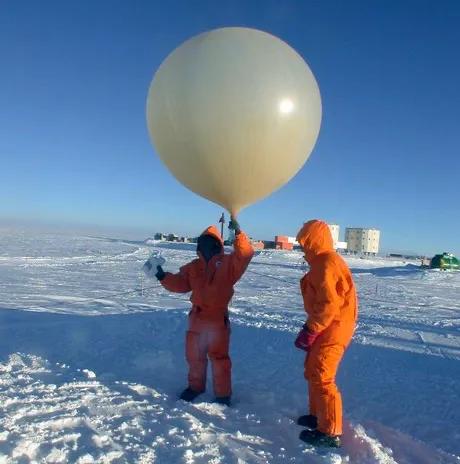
<point>210,278</point>
<point>330,302</point>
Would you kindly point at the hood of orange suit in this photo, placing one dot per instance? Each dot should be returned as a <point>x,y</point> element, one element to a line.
<point>213,232</point>
<point>315,238</point>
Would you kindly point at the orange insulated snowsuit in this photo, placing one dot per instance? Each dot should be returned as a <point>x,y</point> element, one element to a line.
<point>208,334</point>
<point>330,302</point>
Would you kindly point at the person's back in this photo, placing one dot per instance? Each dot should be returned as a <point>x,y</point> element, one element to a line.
<point>342,309</point>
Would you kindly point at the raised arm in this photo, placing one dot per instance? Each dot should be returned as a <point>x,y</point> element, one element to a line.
<point>242,251</point>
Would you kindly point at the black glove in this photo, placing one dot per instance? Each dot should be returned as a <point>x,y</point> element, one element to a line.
<point>234,225</point>
<point>160,275</point>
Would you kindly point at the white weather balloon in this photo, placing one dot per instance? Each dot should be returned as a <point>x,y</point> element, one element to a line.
<point>234,113</point>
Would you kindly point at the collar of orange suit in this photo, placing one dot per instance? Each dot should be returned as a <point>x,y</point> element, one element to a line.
<point>315,238</point>
<point>213,263</point>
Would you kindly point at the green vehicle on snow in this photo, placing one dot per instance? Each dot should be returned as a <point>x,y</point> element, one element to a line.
<point>446,261</point>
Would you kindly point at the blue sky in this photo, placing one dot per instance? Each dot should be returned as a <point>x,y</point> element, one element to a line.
<point>74,147</point>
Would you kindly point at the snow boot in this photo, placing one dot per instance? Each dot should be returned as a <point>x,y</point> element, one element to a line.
<point>317,438</point>
<point>309,421</point>
<point>223,400</point>
<point>189,395</point>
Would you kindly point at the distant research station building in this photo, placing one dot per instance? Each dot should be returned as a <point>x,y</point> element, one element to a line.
<point>362,241</point>
<point>358,240</point>
<point>335,231</point>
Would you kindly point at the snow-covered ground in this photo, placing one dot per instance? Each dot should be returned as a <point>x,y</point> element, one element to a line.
<point>89,373</point>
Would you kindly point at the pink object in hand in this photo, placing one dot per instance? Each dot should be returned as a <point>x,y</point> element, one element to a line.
<point>305,339</point>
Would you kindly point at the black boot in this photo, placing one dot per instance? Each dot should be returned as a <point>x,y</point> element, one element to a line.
<point>317,438</point>
<point>309,421</point>
<point>189,395</point>
<point>223,400</point>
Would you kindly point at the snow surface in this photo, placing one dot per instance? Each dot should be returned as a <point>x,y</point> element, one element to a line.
<point>90,371</point>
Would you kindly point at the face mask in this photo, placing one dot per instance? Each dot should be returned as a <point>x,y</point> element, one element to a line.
<point>208,247</point>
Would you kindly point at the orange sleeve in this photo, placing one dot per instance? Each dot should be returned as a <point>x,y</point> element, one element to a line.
<point>178,283</point>
<point>326,302</point>
<point>241,256</point>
